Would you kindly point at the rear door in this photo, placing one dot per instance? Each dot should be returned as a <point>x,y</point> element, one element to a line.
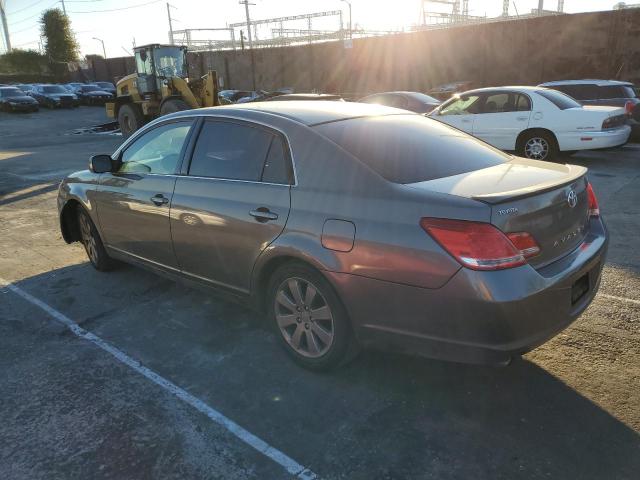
<point>133,203</point>
<point>501,117</point>
<point>459,112</point>
<point>233,201</point>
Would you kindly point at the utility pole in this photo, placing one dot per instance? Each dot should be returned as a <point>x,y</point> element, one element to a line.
<point>5,27</point>
<point>253,61</point>
<point>64,10</point>
<point>170,24</point>
<point>540,6</point>
<point>104,51</point>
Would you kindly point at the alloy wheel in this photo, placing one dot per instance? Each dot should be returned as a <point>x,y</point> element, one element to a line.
<point>536,148</point>
<point>304,317</point>
<point>88,239</point>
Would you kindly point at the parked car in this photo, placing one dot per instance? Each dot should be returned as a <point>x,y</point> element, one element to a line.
<point>73,86</point>
<point>25,87</point>
<point>234,95</point>
<point>603,92</point>
<point>413,101</point>
<point>92,95</point>
<point>54,96</point>
<point>305,96</point>
<point>447,90</point>
<point>15,100</point>
<point>536,122</point>
<point>350,225</point>
<point>107,87</point>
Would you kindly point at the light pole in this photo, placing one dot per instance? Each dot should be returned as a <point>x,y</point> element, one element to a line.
<point>104,52</point>
<point>350,29</point>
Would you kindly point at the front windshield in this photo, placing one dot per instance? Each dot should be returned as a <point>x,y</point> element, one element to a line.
<point>11,92</point>
<point>170,62</point>
<point>54,89</point>
<point>105,84</point>
<point>90,88</point>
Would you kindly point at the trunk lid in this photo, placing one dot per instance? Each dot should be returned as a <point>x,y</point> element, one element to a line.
<point>528,196</point>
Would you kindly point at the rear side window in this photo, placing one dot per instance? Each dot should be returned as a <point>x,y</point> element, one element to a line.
<point>239,152</point>
<point>612,91</point>
<point>559,99</point>
<point>411,148</point>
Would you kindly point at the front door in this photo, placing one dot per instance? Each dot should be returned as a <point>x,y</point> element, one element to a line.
<point>133,203</point>
<point>233,202</point>
<point>501,117</point>
<point>459,112</point>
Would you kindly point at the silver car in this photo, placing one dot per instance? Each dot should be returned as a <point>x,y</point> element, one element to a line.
<point>351,225</point>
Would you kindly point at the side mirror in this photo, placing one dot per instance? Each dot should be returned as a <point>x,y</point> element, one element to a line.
<point>100,163</point>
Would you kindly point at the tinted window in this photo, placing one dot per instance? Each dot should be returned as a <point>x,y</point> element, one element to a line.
<point>523,104</point>
<point>611,91</point>
<point>560,100</point>
<point>11,92</point>
<point>579,92</point>
<point>89,88</point>
<point>157,151</point>
<point>411,148</point>
<point>461,105</point>
<point>54,89</point>
<point>277,167</point>
<point>629,91</point>
<point>505,102</point>
<point>230,150</point>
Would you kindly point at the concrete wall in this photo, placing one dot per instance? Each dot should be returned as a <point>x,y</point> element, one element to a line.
<point>588,45</point>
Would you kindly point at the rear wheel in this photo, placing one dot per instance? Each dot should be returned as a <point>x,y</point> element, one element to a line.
<point>173,105</point>
<point>538,145</point>
<point>130,119</point>
<point>92,243</point>
<point>309,318</point>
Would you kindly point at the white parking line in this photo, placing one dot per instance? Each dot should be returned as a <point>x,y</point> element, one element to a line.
<point>289,464</point>
<point>620,299</point>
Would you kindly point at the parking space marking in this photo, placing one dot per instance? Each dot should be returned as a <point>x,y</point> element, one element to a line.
<point>621,299</point>
<point>289,464</point>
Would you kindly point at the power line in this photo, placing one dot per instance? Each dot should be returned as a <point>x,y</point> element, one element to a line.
<point>119,9</point>
<point>22,30</point>
<point>33,16</point>
<point>25,8</point>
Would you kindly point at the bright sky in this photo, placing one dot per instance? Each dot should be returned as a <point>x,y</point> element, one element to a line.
<point>148,22</point>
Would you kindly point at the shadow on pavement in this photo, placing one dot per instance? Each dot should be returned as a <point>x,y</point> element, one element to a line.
<point>383,417</point>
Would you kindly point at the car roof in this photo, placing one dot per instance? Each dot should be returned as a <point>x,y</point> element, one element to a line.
<point>307,112</point>
<point>586,81</point>
<point>520,88</point>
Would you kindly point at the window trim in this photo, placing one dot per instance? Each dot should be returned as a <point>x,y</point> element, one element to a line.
<point>276,132</point>
<point>183,150</point>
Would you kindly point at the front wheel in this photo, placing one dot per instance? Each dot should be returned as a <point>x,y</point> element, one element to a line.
<point>309,318</point>
<point>173,105</point>
<point>538,146</point>
<point>92,243</point>
<point>130,119</point>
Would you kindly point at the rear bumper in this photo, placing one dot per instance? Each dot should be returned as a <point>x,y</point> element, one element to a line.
<point>477,317</point>
<point>594,140</point>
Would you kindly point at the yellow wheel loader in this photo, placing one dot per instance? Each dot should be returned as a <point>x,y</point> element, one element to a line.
<point>160,85</point>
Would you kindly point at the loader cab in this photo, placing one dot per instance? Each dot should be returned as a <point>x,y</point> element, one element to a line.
<point>156,63</point>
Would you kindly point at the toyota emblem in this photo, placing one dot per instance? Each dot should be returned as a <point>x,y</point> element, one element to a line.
<point>572,198</point>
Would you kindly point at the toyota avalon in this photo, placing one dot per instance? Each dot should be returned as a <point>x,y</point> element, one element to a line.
<point>350,225</point>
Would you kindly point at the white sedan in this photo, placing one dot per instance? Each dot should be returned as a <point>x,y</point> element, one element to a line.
<point>534,122</point>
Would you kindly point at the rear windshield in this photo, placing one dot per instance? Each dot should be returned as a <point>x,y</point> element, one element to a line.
<point>560,100</point>
<point>54,89</point>
<point>411,148</point>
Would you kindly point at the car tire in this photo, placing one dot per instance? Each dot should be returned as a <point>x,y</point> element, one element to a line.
<point>90,239</point>
<point>295,293</point>
<point>173,105</point>
<point>538,145</point>
<point>130,119</point>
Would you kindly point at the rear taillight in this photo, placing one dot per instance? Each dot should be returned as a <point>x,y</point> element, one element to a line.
<point>480,246</point>
<point>628,108</point>
<point>594,210</point>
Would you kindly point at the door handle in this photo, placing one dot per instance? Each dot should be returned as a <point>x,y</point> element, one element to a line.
<point>262,214</point>
<point>159,199</point>
<point>466,120</point>
<point>522,119</point>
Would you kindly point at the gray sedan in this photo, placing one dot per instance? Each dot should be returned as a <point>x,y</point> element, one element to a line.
<point>350,225</point>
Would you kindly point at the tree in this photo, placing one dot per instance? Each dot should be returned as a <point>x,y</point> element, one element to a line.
<point>22,61</point>
<point>61,45</point>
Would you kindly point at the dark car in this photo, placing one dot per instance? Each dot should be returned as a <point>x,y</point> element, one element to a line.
<point>603,92</point>
<point>107,87</point>
<point>412,101</point>
<point>304,96</point>
<point>235,95</point>
<point>25,87</point>
<point>54,96</point>
<point>15,100</point>
<point>92,95</point>
<point>350,225</point>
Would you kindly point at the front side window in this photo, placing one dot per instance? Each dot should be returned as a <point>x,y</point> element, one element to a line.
<point>462,105</point>
<point>230,151</point>
<point>157,151</point>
